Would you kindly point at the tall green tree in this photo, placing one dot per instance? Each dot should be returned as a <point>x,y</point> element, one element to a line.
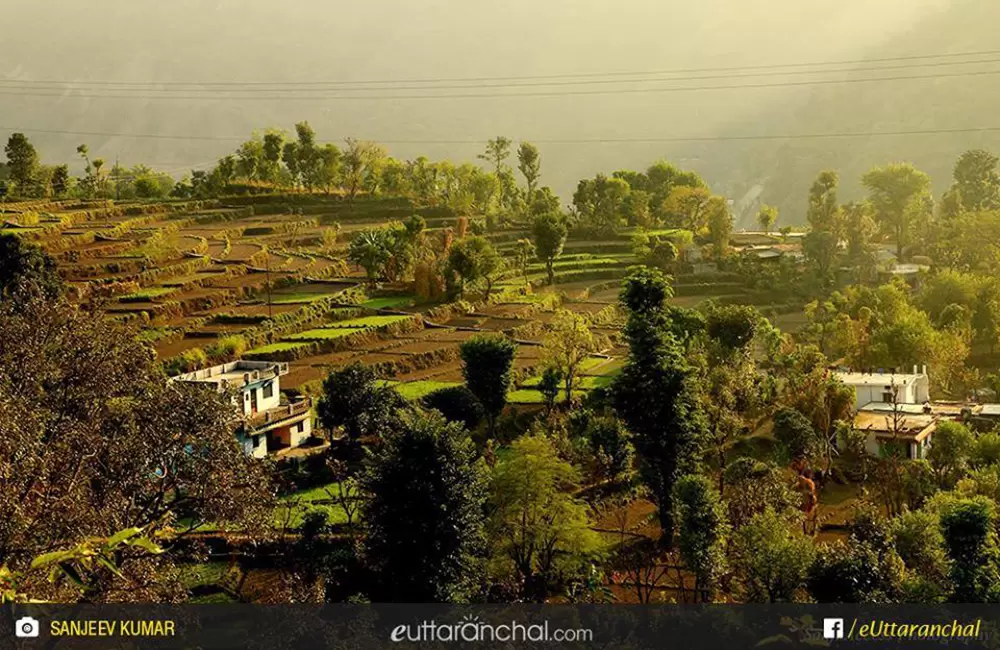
<point>529,163</point>
<point>823,212</point>
<point>977,180</point>
<point>372,251</point>
<point>600,202</point>
<point>425,513</point>
<point>900,194</point>
<point>496,154</point>
<point>539,528</point>
<point>567,345</point>
<point>473,259</point>
<point>22,162</point>
<point>702,530</point>
<point>668,432</point>
<point>487,360</point>
<point>549,233</point>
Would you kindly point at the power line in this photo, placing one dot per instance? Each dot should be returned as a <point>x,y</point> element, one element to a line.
<point>579,75</point>
<point>83,86</point>
<point>637,140</point>
<point>624,91</point>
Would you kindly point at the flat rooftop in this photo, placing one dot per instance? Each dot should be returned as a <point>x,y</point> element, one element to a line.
<point>877,378</point>
<point>236,373</point>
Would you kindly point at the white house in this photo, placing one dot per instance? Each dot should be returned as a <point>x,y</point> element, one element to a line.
<point>911,388</point>
<point>265,424</point>
<point>904,429</point>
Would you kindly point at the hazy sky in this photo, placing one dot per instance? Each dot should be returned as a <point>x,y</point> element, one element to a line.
<point>327,40</point>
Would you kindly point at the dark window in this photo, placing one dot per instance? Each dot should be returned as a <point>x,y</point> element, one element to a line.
<point>302,426</point>
<point>268,390</point>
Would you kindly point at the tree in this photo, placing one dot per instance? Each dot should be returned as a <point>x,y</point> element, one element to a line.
<point>753,487</point>
<point>524,252</point>
<point>820,247</point>
<point>94,440</point>
<point>900,194</point>
<point>772,558</point>
<point>538,525</point>
<point>361,162</point>
<point>22,162</point>
<point>767,216</point>
<point>473,259</point>
<point>456,404</point>
<point>23,266</point>
<point>497,152</point>
<point>357,401</point>
<point>611,446</point>
<point>796,434</point>
<point>549,386</point>
<point>720,225</point>
<point>549,233</point>
<point>950,452</point>
<point>273,146</point>
<point>977,181</point>
<point>968,527</point>
<point>601,201</point>
<point>60,180</point>
<point>566,346</point>
<point>920,544</point>
<point>370,249</point>
<point>668,432</point>
<point>687,207</point>
<point>487,360</point>
<point>529,163</point>
<point>823,213</point>
<point>701,531</point>
<point>425,514</point>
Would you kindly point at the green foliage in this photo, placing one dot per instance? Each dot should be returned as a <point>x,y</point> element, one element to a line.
<point>424,518</point>
<point>487,361</point>
<point>22,163</point>
<point>474,259</point>
<point>456,404</point>
<point>549,233</point>
<point>949,454</point>
<point>795,433</point>
<point>24,267</point>
<point>754,486</point>
<point>355,400</point>
<point>771,558</point>
<point>920,544</point>
<point>968,527</point>
<point>540,529</point>
<point>701,530</point>
<point>900,195</point>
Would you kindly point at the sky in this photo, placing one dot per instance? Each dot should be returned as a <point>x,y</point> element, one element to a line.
<point>255,41</point>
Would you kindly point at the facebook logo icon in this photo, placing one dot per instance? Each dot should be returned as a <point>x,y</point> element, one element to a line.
<point>833,628</point>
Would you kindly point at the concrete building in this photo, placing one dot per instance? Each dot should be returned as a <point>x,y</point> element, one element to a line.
<point>265,425</point>
<point>908,429</point>
<point>912,388</point>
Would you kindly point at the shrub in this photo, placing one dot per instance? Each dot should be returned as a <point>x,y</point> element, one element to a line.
<point>456,404</point>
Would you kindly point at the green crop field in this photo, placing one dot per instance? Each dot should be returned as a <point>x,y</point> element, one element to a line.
<point>277,347</point>
<point>322,334</point>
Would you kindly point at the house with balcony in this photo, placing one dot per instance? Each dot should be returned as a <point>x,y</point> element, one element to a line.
<point>266,422</point>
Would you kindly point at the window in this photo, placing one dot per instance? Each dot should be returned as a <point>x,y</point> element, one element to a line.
<point>268,390</point>
<point>302,426</point>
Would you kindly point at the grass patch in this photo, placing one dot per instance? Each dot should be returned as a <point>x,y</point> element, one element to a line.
<point>277,347</point>
<point>318,493</point>
<point>415,390</point>
<point>293,515</point>
<point>527,396</point>
<point>296,298</point>
<point>369,322</point>
<point>147,294</point>
<point>387,302</point>
<point>322,334</point>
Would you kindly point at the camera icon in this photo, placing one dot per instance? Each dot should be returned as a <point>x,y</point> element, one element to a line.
<point>26,627</point>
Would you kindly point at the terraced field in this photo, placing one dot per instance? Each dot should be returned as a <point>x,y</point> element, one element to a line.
<point>250,276</point>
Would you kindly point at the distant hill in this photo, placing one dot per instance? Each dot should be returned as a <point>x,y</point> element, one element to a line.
<point>785,171</point>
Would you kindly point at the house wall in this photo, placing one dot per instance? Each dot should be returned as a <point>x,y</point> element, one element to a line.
<point>917,449</point>
<point>271,387</point>
<point>912,393</point>
<point>295,434</point>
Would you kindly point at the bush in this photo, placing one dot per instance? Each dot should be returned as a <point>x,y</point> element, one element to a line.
<point>230,347</point>
<point>456,404</point>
